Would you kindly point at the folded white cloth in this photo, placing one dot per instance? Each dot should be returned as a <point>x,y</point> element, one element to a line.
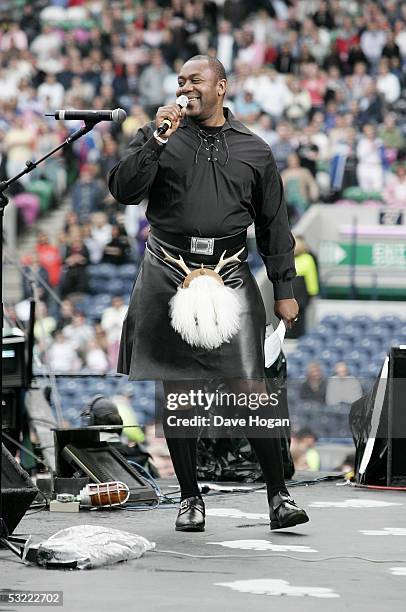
<point>273,344</point>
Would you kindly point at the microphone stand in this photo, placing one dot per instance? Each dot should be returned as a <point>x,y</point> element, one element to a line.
<point>30,166</point>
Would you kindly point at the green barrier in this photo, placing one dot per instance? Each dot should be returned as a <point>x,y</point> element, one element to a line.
<point>357,194</point>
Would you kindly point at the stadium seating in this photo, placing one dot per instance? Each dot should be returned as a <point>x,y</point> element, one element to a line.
<point>361,341</point>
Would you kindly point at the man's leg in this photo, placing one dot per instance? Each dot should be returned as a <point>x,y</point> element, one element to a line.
<point>269,455</point>
<point>183,450</point>
<point>283,510</point>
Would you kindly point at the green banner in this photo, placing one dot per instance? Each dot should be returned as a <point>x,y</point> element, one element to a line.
<point>376,255</point>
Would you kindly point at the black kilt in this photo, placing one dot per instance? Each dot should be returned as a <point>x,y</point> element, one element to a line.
<point>150,349</point>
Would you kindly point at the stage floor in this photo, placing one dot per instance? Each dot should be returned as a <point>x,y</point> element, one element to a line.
<point>350,556</point>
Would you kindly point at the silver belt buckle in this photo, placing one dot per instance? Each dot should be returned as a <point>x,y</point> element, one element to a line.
<point>202,246</point>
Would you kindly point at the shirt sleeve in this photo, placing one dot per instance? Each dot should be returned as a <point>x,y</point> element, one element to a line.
<point>131,179</point>
<point>274,238</point>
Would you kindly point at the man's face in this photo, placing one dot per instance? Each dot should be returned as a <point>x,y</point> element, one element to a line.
<point>199,83</point>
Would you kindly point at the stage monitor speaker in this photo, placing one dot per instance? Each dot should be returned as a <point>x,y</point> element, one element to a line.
<point>17,490</point>
<point>396,458</point>
<point>378,424</point>
<point>104,463</point>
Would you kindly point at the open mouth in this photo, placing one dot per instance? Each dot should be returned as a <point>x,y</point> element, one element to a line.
<point>193,99</point>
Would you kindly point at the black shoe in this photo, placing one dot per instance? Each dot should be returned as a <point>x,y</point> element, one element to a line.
<point>191,515</point>
<point>284,512</point>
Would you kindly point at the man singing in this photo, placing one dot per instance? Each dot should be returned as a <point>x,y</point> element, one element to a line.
<point>207,178</point>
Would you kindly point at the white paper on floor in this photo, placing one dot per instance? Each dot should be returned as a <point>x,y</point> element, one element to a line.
<point>263,545</point>
<point>386,531</point>
<point>398,571</point>
<point>269,586</point>
<point>224,487</point>
<point>235,513</point>
<point>353,503</point>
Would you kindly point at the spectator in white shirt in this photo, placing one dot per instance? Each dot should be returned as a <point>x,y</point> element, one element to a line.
<point>387,83</point>
<point>61,355</point>
<point>96,359</point>
<point>46,43</point>
<point>112,323</point>
<point>225,45</point>
<point>369,154</point>
<point>78,332</point>
<point>51,93</point>
<point>372,42</point>
<point>101,229</point>
<point>359,80</point>
<point>270,91</point>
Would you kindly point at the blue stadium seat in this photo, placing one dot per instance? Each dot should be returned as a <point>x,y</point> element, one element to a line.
<point>97,285</point>
<point>311,344</point>
<point>370,370</point>
<point>380,357</point>
<point>294,371</point>
<point>392,321</point>
<point>322,334</point>
<point>127,271</point>
<point>117,286</point>
<point>354,368</point>
<point>99,387</point>
<point>296,357</point>
<point>83,302</point>
<point>69,386</point>
<point>340,344</point>
<point>105,271</point>
<point>358,355</point>
<point>127,287</point>
<point>329,357</point>
<point>369,345</point>
<point>294,361</point>
<point>351,331</point>
<point>362,321</point>
<point>102,298</point>
<point>126,388</point>
<point>334,321</point>
<point>99,304</point>
<point>94,271</point>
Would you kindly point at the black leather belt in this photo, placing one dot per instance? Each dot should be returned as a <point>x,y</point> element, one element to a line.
<point>199,245</point>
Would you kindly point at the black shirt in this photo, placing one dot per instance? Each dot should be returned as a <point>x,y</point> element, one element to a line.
<point>211,182</point>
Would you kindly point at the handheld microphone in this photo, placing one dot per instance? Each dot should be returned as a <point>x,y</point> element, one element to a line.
<point>181,101</point>
<point>91,116</point>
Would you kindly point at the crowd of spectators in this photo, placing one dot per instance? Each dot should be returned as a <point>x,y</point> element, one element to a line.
<point>321,81</point>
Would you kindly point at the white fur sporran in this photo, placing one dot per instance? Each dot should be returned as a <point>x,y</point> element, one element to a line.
<point>204,311</point>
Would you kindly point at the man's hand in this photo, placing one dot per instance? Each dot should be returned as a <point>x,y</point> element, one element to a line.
<point>287,310</point>
<point>174,113</point>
